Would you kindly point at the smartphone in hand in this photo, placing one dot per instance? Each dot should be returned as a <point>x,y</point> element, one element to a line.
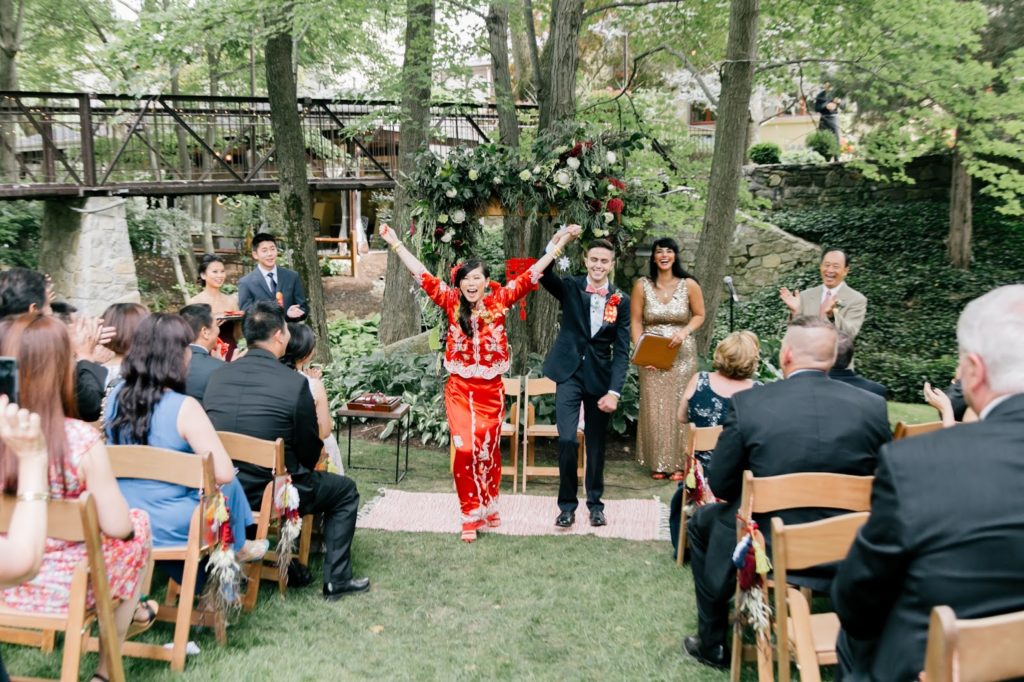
<point>9,378</point>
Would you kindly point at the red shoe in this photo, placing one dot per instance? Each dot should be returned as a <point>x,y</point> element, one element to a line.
<point>677,476</point>
<point>469,529</point>
<point>659,475</point>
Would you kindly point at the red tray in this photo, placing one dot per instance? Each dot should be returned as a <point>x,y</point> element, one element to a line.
<point>374,402</point>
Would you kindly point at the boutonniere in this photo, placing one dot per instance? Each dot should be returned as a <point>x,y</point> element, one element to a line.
<point>279,297</point>
<point>611,308</point>
<point>838,304</point>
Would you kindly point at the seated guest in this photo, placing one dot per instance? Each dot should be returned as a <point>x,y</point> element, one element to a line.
<point>258,396</point>
<point>124,318</point>
<point>23,291</point>
<point>22,547</point>
<point>841,371</point>
<point>149,407</point>
<point>298,355</point>
<point>805,422</point>
<point>204,344</point>
<point>77,462</point>
<point>936,536</point>
<point>707,397</point>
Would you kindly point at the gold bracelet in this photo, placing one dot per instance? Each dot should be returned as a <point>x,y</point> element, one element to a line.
<point>396,246</point>
<point>556,252</point>
<point>33,497</point>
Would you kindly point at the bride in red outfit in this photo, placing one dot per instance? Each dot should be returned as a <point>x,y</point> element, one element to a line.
<point>476,355</point>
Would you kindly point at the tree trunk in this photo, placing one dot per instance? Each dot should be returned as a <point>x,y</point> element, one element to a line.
<point>12,17</point>
<point>560,61</point>
<point>403,315</point>
<point>210,210</point>
<point>296,202</point>
<point>730,138</point>
<point>958,244</point>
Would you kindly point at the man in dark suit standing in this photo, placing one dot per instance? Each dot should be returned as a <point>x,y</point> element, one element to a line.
<point>267,282</point>
<point>946,524</point>
<point>202,364</point>
<point>841,370</point>
<point>588,363</point>
<point>807,422</point>
<point>258,396</point>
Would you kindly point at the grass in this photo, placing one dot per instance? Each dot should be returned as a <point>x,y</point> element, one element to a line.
<point>533,608</point>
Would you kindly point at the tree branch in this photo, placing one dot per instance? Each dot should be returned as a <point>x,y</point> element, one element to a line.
<point>626,3</point>
<point>466,8</point>
<point>531,39</point>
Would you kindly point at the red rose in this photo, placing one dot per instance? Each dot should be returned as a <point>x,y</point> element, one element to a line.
<point>439,232</point>
<point>577,149</point>
<point>457,243</point>
<point>615,206</point>
<point>595,205</point>
<point>615,182</point>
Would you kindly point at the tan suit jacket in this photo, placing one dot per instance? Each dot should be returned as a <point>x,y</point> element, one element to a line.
<point>848,315</point>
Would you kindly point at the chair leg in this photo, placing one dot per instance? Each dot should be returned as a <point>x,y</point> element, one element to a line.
<point>514,452</point>
<point>681,541</point>
<point>73,649</point>
<point>184,616</point>
<point>737,647</point>
<point>305,539</point>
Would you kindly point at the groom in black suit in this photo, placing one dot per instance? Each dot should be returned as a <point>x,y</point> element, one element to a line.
<point>267,282</point>
<point>946,524</point>
<point>588,363</point>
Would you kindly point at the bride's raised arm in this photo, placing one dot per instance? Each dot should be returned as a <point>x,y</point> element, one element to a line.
<point>411,262</point>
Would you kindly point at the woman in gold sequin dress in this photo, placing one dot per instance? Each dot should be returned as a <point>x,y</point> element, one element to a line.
<point>669,303</point>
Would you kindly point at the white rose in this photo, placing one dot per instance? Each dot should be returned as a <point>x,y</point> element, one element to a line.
<point>563,178</point>
<point>450,193</point>
<point>608,217</point>
<point>536,170</point>
<point>497,180</point>
<point>600,233</point>
<point>587,184</point>
<point>473,175</point>
<point>610,156</point>
<point>596,170</point>
<point>458,216</point>
<point>447,237</point>
<point>525,175</point>
<point>442,218</point>
<point>572,162</point>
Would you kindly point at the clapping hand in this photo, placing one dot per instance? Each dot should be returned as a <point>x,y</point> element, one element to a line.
<point>940,401</point>
<point>295,311</point>
<point>791,299</point>
<point>387,234</point>
<point>20,430</point>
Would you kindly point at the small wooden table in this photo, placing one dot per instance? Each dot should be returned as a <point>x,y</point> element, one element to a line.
<point>399,414</point>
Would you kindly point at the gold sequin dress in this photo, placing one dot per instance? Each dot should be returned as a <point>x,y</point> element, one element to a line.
<point>661,439</point>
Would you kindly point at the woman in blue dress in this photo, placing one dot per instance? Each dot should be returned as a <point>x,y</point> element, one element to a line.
<point>149,407</point>
<point>708,395</point>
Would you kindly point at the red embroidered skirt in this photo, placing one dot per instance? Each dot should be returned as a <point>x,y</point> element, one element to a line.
<point>476,409</point>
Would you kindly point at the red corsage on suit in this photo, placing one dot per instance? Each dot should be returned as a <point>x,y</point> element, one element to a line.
<point>474,396</point>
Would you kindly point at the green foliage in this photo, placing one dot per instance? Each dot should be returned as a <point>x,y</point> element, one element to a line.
<point>897,260</point>
<point>802,156</point>
<point>19,232</point>
<point>765,152</point>
<point>824,143</point>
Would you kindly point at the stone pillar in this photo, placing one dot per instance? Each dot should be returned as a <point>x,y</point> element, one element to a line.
<point>85,249</point>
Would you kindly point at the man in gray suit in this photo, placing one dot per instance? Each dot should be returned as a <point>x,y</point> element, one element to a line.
<point>200,317</point>
<point>833,300</point>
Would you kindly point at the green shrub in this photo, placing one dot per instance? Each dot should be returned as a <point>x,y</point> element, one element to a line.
<point>19,232</point>
<point>802,156</point>
<point>898,260</point>
<point>765,152</point>
<point>823,142</point>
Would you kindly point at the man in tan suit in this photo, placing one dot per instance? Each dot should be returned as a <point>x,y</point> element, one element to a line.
<point>833,300</point>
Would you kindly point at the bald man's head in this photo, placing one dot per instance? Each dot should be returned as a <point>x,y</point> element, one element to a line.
<point>809,343</point>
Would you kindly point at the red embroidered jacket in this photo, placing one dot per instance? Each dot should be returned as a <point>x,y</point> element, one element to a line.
<point>484,356</point>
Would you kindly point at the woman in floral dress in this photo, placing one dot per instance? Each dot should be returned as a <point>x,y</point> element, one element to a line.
<point>78,462</point>
<point>476,355</point>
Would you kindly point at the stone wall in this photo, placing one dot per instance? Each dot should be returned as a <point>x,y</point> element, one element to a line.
<point>791,186</point>
<point>85,250</point>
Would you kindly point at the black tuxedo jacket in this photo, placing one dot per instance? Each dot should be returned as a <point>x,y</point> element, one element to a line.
<point>258,396</point>
<point>603,358</point>
<point>807,422</point>
<point>200,367</point>
<point>848,376</point>
<point>946,527</point>
<point>90,385</point>
<point>254,287</point>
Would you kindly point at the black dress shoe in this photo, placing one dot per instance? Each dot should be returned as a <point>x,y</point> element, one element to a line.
<point>715,657</point>
<point>597,518</point>
<point>565,519</point>
<point>352,586</point>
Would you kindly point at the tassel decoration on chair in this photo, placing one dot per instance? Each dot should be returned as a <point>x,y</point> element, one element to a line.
<point>753,565</point>
<point>286,508</point>
<point>224,585</point>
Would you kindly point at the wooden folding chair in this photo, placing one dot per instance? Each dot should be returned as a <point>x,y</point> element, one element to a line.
<point>72,521</point>
<point>811,637</point>
<point>191,471</point>
<point>533,388</point>
<point>509,429</point>
<point>905,430</point>
<point>793,491</point>
<point>700,438</point>
<point>268,454</point>
<point>974,650</point>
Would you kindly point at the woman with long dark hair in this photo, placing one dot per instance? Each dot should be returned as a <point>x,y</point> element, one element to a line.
<point>125,319</point>
<point>78,462</point>
<point>668,302</point>
<point>212,275</point>
<point>149,407</point>
<point>476,355</point>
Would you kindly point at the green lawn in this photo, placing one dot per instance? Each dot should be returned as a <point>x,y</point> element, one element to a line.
<point>544,608</point>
